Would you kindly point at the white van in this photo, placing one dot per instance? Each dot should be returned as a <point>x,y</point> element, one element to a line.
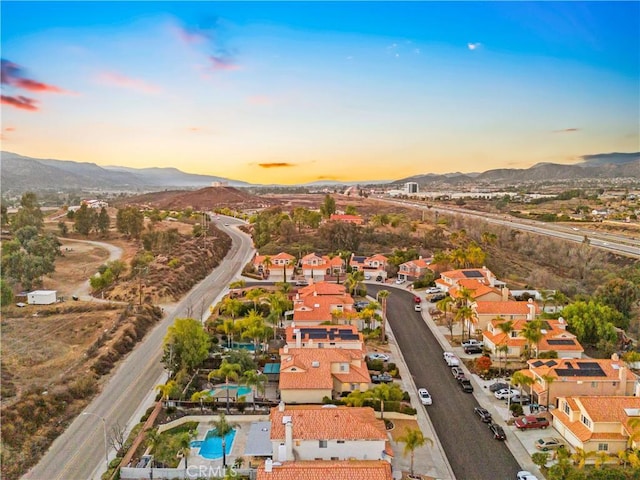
<point>453,361</point>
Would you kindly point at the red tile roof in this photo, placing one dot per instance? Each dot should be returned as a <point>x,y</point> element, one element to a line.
<point>328,470</point>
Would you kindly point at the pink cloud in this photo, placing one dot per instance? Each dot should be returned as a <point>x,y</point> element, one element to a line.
<point>23,103</point>
<point>222,63</point>
<point>10,129</point>
<point>122,81</point>
<point>13,75</point>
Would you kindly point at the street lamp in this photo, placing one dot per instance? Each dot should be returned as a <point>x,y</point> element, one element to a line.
<point>106,443</point>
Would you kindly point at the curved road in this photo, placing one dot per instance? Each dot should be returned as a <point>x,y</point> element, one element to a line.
<point>470,448</point>
<point>78,454</point>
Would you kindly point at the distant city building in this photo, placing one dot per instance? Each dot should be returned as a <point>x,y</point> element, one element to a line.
<point>219,183</point>
<point>411,187</point>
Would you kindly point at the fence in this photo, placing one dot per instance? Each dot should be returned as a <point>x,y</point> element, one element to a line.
<point>192,472</point>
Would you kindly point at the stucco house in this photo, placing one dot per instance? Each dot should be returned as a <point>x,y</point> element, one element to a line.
<point>325,336</point>
<point>322,302</point>
<point>413,269</point>
<point>555,337</point>
<point>315,267</point>
<point>325,469</point>
<point>597,424</point>
<point>485,312</point>
<point>483,275</point>
<point>479,291</point>
<point>374,266</point>
<point>278,267</point>
<point>564,377</point>
<point>307,375</point>
<point>323,432</point>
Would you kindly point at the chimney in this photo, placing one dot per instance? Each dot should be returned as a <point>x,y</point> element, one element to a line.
<point>268,465</point>
<point>281,406</point>
<point>298,338</point>
<point>532,310</point>
<point>504,291</point>
<point>285,349</point>
<point>288,439</point>
<point>561,323</point>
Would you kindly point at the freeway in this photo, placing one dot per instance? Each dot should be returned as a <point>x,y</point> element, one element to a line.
<point>628,246</point>
<point>79,454</point>
<point>470,448</point>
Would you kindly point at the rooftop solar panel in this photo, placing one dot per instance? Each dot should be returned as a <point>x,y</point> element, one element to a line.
<point>561,341</point>
<point>472,274</point>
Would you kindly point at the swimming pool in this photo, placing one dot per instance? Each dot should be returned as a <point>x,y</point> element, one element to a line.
<point>211,446</point>
<point>244,346</point>
<point>234,390</point>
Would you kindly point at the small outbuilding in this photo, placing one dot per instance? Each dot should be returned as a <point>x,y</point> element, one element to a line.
<point>42,297</point>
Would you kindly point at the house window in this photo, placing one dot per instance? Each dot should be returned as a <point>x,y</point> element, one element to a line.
<point>344,367</point>
<point>585,420</point>
<point>514,334</point>
<point>615,384</point>
<point>565,408</point>
<point>603,447</point>
<point>594,384</point>
<point>340,441</point>
<point>335,458</point>
<point>322,444</point>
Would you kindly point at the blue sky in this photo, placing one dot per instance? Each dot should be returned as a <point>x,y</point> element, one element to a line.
<point>290,92</point>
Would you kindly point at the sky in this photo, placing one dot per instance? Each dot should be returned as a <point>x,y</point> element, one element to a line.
<point>295,92</point>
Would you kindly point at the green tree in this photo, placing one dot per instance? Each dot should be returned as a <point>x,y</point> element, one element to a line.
<point>540,458</point>
<point>532,332</point>
<point>445,306</point>
<point>117,267</point>
<point>464,315</point>
<point>184,446</point>
<point>221,429</point>
<point>382,298</point>
<point>29,213</point>
<point>231,306</point>
<point>256,381</point>
<point>228,371</point>
<point>619,294</point>
<point>505,327</point>
<point>6,292</point>
<point>350,210</point>
<point>522,380</point>
<point>548,380</point>
<point>168,390</point>
<point>592,322</point>
<point>130,221</point>
<point>103,221</point>
<point>186,345</point>
<point>413,439</point>
<point>84,220</point>
<point>580,457</point>
<point>328,207</point>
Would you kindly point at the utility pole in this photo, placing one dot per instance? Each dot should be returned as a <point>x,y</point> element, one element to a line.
<point>106,443</point>
<point>139,270</point>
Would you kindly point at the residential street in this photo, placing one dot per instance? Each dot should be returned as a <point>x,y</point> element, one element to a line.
<point>79,454</point>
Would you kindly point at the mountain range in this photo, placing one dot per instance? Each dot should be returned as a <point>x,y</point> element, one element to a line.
<point>20,173</point>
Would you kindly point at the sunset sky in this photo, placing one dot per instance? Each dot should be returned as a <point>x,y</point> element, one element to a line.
<point>294,92</point>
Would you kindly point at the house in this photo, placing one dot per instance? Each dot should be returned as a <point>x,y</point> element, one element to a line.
<point>315,267</point>
<point>42,297</point>
<point>479,291</point>
<point>280,267</point>
<point>483,275</point>
<point>307,375</point>
<point>323,302</point>
<point>323,432</point>
<point>555,337</point>
<point>325,469</point>
<point>484,312</point>
<point>563,377</point>
<point>355,219</point>
<point>597,424</point>
<point>413,269</point>
<point>375,266</point>
<point>325,336</point>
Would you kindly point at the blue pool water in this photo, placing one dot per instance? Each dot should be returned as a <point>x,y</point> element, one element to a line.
<point>241,390</point>
<point>211,446</point>
<point>244,346</point>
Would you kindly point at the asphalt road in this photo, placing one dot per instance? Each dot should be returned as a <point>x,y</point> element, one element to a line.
<point>79,453</point>
<point>469,445</point>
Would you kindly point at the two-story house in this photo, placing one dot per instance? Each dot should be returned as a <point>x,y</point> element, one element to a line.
<point>555,337</point>
<point>325,336</point>
<point>564,377</point>
<point>413,269</point>
<point>483,275</point>
<point>484,312</point>
<point>375,267</point>
<point>307,375</point>
<point>322,432</point>
<point>280,267</point>
<point>317,268</point>
<point>325,469</point>
<point>597,424</point>
<point>323,302</point>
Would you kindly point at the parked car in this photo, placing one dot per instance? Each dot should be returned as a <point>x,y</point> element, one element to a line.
<point>525,475</point>
<point>379,356</point>
<point>506,393</point>
<point>425,396</point>
<point>367,276</point>
<point>432,290</point>
<point>466,386</point>
<point>400,281</point>
<point>453,361</point>
<point>549,443</point>
<point>301,283</point>
<point>437,297</point>
<point>521,399</point>
<point>494,387</point>
<point>417,307</point>
<point>360,305</point>
<point>531,421</point>
<point>498,431</point>
<point>484,414</point>
<point>472,349</point>
<point>382,378</point>
<point>472,342</point>
<point>446,355</point>
<point>457,372</point>
<point>417,299</point>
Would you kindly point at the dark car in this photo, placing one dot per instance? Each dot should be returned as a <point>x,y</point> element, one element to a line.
<point>437,297</point>
<point>531,421</point>
<point>360,305</point>
<point>494,387</point>
<point>484,414</point>
<point>466,386</point>
<point>471,349</point>
<point>498,431</point>
<point>382,378</point>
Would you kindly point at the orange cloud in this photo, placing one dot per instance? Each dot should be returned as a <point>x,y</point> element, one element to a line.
<point>276,165</point>
<point>21,102</point>
<point>34,86</point>
<point>122,81</point>
<point>10,129</point>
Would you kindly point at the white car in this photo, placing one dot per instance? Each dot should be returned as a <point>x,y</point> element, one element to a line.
<point>379,356</point>
<point>425,396</point>
<point>399,281</point>
<point>431,290</point>
<point>417,307</point>
<point>525,475</point>
<point>506,393</point>
<point>367,276</point>
<point>446,355</point>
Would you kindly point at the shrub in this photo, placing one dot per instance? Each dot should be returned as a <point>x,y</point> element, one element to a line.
<point>174,263</point>
<point>377,365</point>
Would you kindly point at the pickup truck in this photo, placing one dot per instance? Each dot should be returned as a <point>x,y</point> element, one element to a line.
<point>382,378</point>
<point>472,342</point>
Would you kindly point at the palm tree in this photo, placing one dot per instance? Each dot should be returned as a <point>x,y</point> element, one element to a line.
<point>505,327</point>
<point>221,429</point>
<point>558,298</point>
<point>228,371</point>
<point>254,295</point>
<point>167,390</point>
<point>463,315</point>
<point>601,459</point>
<point>413,439</point>
<point>229,329</point>
<point>252,379</point>
<point>382,298</point>
<point>580,457</point>
<point>522,380</point>
<point>532,331</point>
<point>284,287</point>
<point>548,380</point>
<point>237,284</point>
<point>184,446</point>
<point>353,281</point>
<point>267,264</point>
<point>382,393</point>
<point>444,305</point>
<point>634,433</point>
<point>232,306</point>
<point>153,440</point>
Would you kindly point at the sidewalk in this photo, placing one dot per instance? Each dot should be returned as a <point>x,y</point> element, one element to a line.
<point>517,441</point>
